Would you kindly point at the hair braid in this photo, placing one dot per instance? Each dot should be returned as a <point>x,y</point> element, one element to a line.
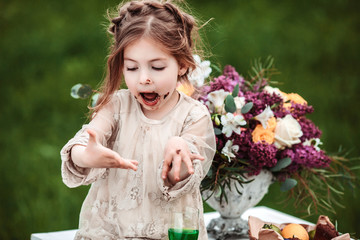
<point>186,22</point>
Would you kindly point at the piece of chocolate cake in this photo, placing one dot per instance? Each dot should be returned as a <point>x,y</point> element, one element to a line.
<point>325,230</point>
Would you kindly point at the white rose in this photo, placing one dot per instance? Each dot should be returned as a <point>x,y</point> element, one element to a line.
<point>216,101</point>
<point>287,132</point>
<point>202,71</point>
<point>265,116</point>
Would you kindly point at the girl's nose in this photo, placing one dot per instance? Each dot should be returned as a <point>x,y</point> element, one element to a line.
<point>146,81</point>
<point>145,78</point>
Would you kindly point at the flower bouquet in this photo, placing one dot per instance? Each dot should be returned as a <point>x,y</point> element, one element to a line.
<point>257,126</point>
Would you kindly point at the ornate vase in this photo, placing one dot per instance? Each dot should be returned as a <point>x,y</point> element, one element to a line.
<point>230,224</point>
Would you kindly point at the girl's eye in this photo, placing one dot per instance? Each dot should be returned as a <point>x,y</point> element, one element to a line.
<point>158,68</point>
<point>131,68</point>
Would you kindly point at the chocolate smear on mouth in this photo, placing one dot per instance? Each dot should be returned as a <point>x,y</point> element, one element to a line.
<point>166,95</point>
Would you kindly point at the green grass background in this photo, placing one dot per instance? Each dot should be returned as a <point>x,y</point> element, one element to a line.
<point>46,47</point>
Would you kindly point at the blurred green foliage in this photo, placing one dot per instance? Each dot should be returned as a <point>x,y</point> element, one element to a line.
<point>46,47</point>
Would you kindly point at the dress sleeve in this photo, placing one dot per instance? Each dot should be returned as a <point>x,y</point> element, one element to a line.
<point>199,134</point>
<point>105,124</point>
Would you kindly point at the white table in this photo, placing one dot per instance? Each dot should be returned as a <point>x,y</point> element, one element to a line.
<point>264,213</point>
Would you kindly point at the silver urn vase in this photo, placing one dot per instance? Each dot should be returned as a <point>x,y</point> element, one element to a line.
<point>229,224</point>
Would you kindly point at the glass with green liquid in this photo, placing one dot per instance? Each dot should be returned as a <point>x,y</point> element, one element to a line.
<point>184,225</point>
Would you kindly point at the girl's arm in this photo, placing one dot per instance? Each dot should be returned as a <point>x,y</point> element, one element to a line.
<point>182,171</point>
<point>190,153</point>
<point>80,157</point>
<point>95,155</point>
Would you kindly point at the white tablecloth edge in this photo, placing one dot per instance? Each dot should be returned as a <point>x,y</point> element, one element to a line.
<point>264,213</point>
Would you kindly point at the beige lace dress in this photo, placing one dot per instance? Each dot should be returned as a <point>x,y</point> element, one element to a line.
<point>127,204</point>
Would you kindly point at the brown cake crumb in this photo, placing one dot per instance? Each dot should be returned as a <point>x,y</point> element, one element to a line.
<point>325,230</point>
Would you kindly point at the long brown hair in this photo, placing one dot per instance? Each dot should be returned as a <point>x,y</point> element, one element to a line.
<point>165,23</point>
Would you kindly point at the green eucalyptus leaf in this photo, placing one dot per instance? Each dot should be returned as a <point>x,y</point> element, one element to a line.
<point>235,91</point>
<point>247,107</point>
<point>217,131</point>
<point>281,164</point>
<point>209,173</point>
<point>218,192</point>
<point>288,184</point>
<point>230,104</point>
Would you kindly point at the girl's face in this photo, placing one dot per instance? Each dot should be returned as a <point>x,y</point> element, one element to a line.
<point>151,75</point>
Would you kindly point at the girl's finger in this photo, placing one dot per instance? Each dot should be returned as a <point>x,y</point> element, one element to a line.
<point>194,156</point>
<point>136,163</point>
<point>166,166</point>
<point>132,164</point>
<point>92,135</point>
<point>186,159</point>
<point>176,164</point>
<point>165,170</point>
<point>127,163</point>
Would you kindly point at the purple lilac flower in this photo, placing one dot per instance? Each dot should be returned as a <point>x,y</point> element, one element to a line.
<point>262,155</point>
<point>230,72</point>
<point>281,112</point>
<point>287,152</point>
<point>305,157</point>
<point>220,142</point>
<point>260,101</point>
<point>308,156</point>
<point>223,82</point>
<point>244,141</point>
<point>296,110</point>
<point>309,129</point>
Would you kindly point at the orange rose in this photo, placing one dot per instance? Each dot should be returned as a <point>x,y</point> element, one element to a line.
<point>262,135</point>
<point>296,98</point>
<point>186,88</point>
<point>287,105</point>
<point>271,124</point>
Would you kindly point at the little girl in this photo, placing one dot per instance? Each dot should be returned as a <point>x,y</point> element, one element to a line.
<point>148,147</point>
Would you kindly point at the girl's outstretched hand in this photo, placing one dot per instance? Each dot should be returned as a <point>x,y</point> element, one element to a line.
<point>95,155</point>
<point>178,160</point>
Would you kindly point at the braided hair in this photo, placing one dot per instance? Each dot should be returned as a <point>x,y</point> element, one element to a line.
<point>165,23</point>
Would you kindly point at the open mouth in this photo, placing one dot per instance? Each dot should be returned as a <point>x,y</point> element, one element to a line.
<point>150,99</point>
